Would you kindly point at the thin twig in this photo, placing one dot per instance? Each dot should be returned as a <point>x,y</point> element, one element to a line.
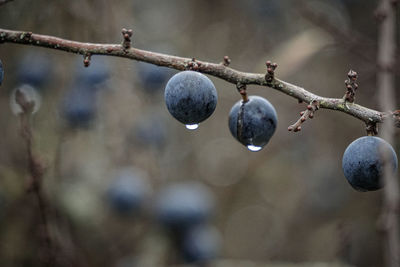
<point>386,84</point>
<point>304,115</point>
<point>36,171</point>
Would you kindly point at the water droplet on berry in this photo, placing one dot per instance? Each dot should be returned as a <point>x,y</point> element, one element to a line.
<point>254,148</point>
<point>192,126</point>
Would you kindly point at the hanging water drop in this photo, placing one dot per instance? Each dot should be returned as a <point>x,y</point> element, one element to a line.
<point>192,126</point>
<point>254,148</point>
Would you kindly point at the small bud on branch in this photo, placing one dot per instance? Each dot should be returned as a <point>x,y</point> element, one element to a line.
<point>126,34</point>
<point>269,76</point>
<point>227,61</point>
<point>351,86</point>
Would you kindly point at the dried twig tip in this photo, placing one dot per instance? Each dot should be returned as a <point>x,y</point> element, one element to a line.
<point>304,115</point>
<point>351,86</point>
<point>352,75</point>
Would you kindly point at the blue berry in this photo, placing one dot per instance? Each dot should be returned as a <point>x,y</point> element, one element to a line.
<point>363,162</point>
<point>1,72</point>
<point>183,205</point>
<point>79,106</point>
<point>200,244</point>
<point>128,192</point>
<point>34,69</point>
<point>96,73</point>
<point>253,122</point>
<point>150,130</point>
<point>153,77</point>
<point>190,97</point>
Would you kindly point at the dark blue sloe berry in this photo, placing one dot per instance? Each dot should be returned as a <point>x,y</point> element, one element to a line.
<point>152,77</point>
<point>200,244</point>
<point>363,162</point>
<point>253,122</point>
<point>96,73</point>
<point>1,72</point>
<point>182,205</point>
<point>128,192</point>
<point>79,106</point>
<point>34,69</point>
<point>190,97</point>
<point>150,130</point>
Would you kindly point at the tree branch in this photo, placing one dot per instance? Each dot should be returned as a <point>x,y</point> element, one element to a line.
<point>386,84</point>
<point>218,70</point>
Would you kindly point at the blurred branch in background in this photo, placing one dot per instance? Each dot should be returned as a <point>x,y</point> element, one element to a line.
<point>386,16</point>
<point>24,106</point>
<point>349,38</point>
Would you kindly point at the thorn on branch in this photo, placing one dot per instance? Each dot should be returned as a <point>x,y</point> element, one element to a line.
<point>372,129</point>
<point>227,61</point>
<point>127,34</point>
<point>269,76</point>
<point>86,60</point>
<point>193,65</point>
<point>304,115</point>
<point>351,86</point>
<point>242,91</point>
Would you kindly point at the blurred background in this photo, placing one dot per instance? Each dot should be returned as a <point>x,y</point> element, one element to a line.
<point>117,162</point>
